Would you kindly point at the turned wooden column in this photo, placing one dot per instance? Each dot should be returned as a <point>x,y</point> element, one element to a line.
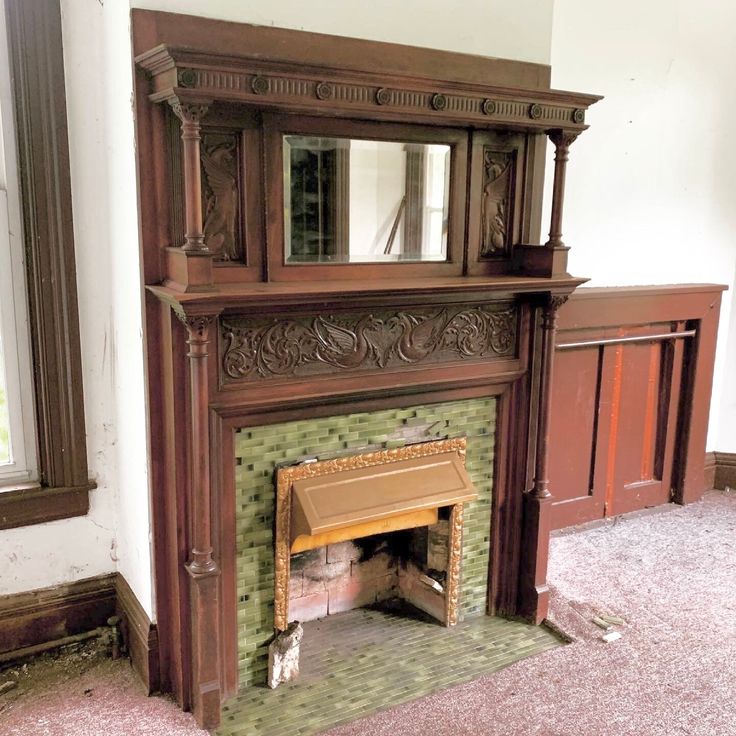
<point>533,590</point>
<point>202,567</point>
<point>562,140</point>
<point>549,329</point>
<point>190,115</point>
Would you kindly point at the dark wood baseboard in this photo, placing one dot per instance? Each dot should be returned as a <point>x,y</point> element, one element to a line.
<point>139,635</point>
<point>49,615</point>
<point>725,470</point>
<point>709,470</point>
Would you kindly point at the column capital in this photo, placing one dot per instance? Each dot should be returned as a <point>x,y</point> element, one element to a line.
<point>190,113</point>
<point>562,139</point>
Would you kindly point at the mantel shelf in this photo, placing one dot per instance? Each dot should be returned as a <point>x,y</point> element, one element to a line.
<point>291,293</point>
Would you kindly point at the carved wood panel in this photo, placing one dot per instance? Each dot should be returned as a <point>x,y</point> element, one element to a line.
<point>497,205</point>
<point>220,159</point>
<point>254,348</point>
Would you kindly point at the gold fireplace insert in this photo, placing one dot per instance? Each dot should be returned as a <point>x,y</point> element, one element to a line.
<point>346,498</point>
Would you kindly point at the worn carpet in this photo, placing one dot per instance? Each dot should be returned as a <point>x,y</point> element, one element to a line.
<point>670,574</point>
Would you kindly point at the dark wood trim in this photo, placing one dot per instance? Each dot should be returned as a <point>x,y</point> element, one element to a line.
<point>725,470</point>
<point>36,56</point>
<point>709,469</point>
<point>34,504</point>
<point>597,328</point>
<point>140,636</point>
<point>49,614</point>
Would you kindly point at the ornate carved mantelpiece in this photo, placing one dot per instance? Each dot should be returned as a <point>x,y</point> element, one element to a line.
<point>275,291</point>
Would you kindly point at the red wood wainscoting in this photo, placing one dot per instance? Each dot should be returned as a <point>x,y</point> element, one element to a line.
<point>630,401</point>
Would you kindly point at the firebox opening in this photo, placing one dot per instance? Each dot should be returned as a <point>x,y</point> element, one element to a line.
<point>382,569</point>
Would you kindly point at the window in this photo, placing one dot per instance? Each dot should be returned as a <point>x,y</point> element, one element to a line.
<point>40,364</point>
<point>17,424</point>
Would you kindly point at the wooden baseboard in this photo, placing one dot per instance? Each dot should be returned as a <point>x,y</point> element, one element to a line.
<point>51,614</point>
<point>725,470</point>
<point>139,635</point>
<point>709,470</point>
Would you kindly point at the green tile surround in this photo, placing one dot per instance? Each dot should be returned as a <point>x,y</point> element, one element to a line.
<point>349,668</point>
<point>258,450</point>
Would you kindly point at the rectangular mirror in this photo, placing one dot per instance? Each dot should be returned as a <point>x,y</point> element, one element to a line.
<point>364,201</point>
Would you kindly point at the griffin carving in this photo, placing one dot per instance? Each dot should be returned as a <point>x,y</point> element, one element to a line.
<point>343,347</point>
<point>219,155</point>
<point>497,169</point>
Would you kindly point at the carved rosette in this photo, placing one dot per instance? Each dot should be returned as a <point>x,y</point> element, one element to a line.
<point>257,349</point>
<point>454,563</point>
<point>285,478</point>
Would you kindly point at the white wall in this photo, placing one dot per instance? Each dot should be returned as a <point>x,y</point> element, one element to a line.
<point>115,535</point>
<point>513,29</point>
<point>651,186</point>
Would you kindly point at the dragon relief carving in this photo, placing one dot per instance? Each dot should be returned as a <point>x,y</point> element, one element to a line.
<point>219,154</point>
<point>495,208</point>
<point>255,348</point>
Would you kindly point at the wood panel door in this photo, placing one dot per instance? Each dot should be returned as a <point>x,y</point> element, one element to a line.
<point>625,400</point>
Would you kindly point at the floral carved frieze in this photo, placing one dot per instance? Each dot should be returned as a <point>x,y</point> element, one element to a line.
<point>261,348</point>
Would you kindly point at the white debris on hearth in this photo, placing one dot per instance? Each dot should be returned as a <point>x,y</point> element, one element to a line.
<point>283,655</point>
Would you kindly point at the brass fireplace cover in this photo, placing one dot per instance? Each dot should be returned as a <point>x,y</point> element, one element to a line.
<point>355,497</point>
<point>287,477</point>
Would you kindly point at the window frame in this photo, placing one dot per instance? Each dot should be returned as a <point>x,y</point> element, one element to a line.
<point>39,100</point>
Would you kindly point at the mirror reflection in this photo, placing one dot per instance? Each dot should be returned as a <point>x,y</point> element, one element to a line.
<point>362,201</point>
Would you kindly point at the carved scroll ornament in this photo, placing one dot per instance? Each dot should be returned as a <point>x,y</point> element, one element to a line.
<point>255,348</point>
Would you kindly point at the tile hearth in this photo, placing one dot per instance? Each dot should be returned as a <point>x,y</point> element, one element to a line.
<point>349,668</point>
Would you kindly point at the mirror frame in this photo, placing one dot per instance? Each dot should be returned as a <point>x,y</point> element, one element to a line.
<point>277,126</point>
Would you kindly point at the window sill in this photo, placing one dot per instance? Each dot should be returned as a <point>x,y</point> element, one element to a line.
<point>29,503</point>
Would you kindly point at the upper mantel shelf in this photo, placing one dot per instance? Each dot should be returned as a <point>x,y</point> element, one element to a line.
<point>289,294</point>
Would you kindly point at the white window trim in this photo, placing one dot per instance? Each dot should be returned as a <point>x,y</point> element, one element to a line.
<point>14,324</point>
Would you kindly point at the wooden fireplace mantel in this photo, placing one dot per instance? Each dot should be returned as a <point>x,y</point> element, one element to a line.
<point>238,337</point>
